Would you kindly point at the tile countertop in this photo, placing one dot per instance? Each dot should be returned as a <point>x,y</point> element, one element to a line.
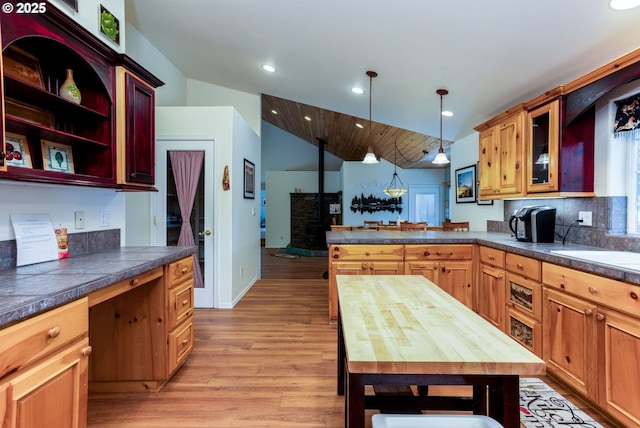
<point>28,290</point>
<point>501,241</point>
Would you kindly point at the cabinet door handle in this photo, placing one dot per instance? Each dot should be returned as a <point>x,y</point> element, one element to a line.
<point>588,312</point>
<point>519,266</point>
<point>54,332</point>
<point>491,257</point>
<point>499,276</point>
<point>185,269</point>
<point>185,302</point>
<point>600,317</point>
<point>135,282</point>
<point>593,290</point>
<point>439,252</point>
<point>86,351</point>
<point>426,254</point>
<point>185,342</point>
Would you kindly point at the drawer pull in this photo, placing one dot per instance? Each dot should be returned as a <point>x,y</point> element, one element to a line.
<point>593,290</point>
<point>54,332</point>
<point>499,276</point>
<point>185,302</point>
<point>185,342</point>
<point>426,254</point>
<point>135,282</point>
<point>439,252</point>
<point>588,312</point>
<point>335,256</point>
<point>367,254</point>
<point>185,269</point>
<point>519,266</point>
<point>491,257</point>
<point>600,317</point>
<point>87,351</point>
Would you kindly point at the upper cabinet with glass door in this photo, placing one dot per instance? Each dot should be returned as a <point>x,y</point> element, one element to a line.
<point>543,148</point>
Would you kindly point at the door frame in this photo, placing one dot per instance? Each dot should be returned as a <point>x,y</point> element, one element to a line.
<point>204,297</point>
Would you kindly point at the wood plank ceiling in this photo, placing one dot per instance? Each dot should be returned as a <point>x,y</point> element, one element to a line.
<point>347,141</point>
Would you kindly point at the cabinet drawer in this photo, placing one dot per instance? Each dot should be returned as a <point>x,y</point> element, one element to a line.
<point>179,271</point>
<point>180,344</point>
<point>29,340</point>
<point>124,286</point>
<point>438,252</point>
<point>604,291</point>
<point>525,266</point>
<point>491,256</point>
<point>180,303</point>
<point>367,252</point>
<point>525,330</point>
<point>525,295</point>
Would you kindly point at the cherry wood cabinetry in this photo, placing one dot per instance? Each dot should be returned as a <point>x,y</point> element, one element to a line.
<point>83,133</point>
<point>592,338</point>
<point>44,374</point>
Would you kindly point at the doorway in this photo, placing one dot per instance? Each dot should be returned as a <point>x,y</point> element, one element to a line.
<point>425,204</point>
<point>167,220</point>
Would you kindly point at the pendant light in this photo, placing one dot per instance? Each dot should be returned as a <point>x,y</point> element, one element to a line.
<point>441,158</point>
<point>393,191</point>
<point>370,157</point>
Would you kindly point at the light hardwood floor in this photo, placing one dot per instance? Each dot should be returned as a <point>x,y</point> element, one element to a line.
<point>269,362</point>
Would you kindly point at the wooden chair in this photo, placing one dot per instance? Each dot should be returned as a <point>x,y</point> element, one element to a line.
<point>340,227</point>
<point>365,229</point>
<point>457,226</point>
<point>372,223</point>
<point>413,226</point>
<point>389,227</point>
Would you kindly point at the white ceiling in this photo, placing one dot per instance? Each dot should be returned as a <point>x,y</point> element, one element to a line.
<point>489,54</point>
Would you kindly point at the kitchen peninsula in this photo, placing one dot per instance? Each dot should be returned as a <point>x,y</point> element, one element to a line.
<point>528,290</point>
<point>116,320</point>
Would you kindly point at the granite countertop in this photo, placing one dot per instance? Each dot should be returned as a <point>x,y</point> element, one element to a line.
<point>501,241</point>
<point>29,290</point>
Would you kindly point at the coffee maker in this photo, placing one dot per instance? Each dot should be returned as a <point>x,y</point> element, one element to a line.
<point>534,224</point>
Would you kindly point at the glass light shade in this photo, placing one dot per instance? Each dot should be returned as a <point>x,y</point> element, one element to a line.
<point>440,159</point>
<point>394,192</point>
<point>543,159</point>
<point>370,157</point>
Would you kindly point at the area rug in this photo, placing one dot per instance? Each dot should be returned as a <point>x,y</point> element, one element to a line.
<point>284,255</point>
<point>542,407</point>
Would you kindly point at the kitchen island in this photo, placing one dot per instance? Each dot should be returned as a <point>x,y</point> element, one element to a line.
<point>117,320</point>
<point>580,315</point>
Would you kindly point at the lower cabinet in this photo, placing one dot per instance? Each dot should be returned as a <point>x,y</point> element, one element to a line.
<point>45,362</point>
<point>490,289</point>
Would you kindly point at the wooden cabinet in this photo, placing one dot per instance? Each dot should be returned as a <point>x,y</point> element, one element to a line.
<point>491,286</point>
<point>543,140</point>
<point>361,260</point>
<point>179,283</point>
<point>592,338</point>
<point>501,156</point>
<point>135,128</point>
<point>44,374</point>
<point>63,141</point>
<point>448,266</point>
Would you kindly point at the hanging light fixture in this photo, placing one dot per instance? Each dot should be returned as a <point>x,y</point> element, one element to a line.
<point>441,158</point>
<point>370,157</point>
<point>393,191</point>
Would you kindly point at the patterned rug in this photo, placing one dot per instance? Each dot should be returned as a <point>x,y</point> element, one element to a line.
<point>542,407</point>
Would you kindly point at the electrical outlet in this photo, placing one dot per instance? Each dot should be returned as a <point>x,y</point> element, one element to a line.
<point>585,216</point>
<point>79,217</point>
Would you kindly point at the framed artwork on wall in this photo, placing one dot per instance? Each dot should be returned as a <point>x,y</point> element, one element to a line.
<point>57,157</point>
<point>466,184</point>
<point>17,150</point>
<point>249,180</point>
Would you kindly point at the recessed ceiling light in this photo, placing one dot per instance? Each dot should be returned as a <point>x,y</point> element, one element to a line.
<point>358,91</point>
<point>623,4</point>
<point>274,112</point>
<point>447,113</point>
<point>307,118</point>
<point>359,125</point>
<point>269,68</point>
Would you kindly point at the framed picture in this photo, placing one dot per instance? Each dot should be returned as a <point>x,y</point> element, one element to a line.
<point>249,180</point>
<point>17,150</point>
<point>57,157</point>
<point>466,184</point>
<point>109,25</point>
<point>23,66</point>
<point>479,202</point>
<point>28,113</point>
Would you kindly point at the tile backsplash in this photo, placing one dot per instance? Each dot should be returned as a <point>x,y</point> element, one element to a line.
<point>609,215</point>
<point>79,243</point>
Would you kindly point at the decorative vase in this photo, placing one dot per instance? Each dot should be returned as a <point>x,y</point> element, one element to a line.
<point>69,90</point>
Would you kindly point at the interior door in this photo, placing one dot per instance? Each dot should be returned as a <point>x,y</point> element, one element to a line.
<point>425,204</point>
<point>167,220</point>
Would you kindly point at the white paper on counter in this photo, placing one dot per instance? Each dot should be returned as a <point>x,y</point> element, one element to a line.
<point>35,238</point>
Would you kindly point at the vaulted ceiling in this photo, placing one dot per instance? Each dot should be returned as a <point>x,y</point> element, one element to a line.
<point>490,55</point>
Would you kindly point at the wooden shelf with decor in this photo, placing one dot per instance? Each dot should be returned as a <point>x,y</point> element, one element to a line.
<point>40,52</point>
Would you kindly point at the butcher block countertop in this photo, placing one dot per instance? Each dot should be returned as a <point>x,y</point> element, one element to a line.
<point>501,241</point>
<point>29,290</point>
<point>407,324</point>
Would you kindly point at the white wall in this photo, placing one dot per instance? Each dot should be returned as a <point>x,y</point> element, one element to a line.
<point>279,186</point>
<point>60,202</point>
<point>236,220</point>
<point>370,179</point>
<point>464,153</point>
